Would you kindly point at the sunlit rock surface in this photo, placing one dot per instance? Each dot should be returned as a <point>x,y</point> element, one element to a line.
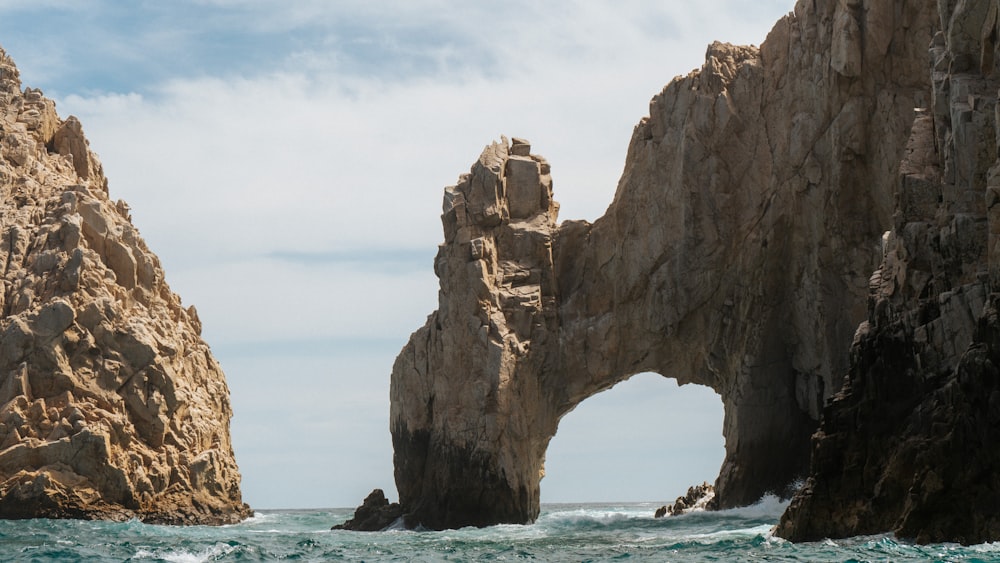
<point>736,254</point>
<point>111,404</point>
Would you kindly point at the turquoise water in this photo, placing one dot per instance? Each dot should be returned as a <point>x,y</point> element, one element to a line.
<point>586,532</point>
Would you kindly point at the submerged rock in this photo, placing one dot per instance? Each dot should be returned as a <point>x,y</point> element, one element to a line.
<point>374,514</point>
<point>111,404</point>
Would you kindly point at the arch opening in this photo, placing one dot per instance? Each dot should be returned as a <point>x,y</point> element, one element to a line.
<point>645,439</point>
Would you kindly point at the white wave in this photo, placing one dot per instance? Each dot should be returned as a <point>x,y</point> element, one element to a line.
<point>396,526</point>
<point>762,530</point>
<point>600,515</point>
<point>769,506</point>
<point>991,547</point>
<point>212,553</point>
<point>258,518</point>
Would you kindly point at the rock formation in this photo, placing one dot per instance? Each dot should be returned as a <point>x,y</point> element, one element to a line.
<point>375,514</point>
<point>111,404</point>
<point>912,441</point>
<point>698,497</point>
<point>471,406</point>
<point>736,254</point>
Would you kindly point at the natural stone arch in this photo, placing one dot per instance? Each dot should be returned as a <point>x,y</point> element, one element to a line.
<point>533,319</point>
<point>735,254</point>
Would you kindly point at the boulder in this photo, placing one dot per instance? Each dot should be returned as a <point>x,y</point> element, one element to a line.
<point>374,514</point>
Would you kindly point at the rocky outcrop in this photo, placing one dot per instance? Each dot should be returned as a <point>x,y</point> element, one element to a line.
<point>111,404</point>
<point>911,442</point>
<point>698,497</point>
<point>736,254</point>
<point>375,514</point>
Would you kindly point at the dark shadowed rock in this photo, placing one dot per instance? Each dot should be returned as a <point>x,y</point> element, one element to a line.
<point>911,443</point>
<point>374,514</point>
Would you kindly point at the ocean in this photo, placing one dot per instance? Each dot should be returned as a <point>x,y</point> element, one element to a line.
<point>563,532</point>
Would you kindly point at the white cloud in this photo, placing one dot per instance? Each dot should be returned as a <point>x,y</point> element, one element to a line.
<point>268,300</point>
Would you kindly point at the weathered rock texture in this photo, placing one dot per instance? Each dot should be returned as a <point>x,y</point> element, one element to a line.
<point>111,404</point>
<point>736,254</point>
<point>912,441</point>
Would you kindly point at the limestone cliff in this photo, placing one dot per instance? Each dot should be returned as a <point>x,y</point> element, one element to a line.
<point>111,404</point>
<point>736,254</point>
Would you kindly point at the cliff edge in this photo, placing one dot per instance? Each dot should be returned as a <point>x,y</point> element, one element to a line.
<point>111,404</point>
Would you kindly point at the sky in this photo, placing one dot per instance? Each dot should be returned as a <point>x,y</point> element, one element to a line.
<point>286,161</point>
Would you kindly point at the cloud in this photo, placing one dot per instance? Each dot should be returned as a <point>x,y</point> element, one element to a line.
<point>265,300</point>
<point>105,47</point>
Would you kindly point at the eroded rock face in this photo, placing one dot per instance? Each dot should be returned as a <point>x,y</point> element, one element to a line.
<point>911,442</point>
<point>736,254</point>
<point>111,404</point>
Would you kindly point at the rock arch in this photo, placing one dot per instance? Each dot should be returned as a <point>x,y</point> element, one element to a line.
<point>736,254</point>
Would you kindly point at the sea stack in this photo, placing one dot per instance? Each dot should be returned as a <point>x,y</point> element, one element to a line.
<point>758,198</point>
<point>111,404</point>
